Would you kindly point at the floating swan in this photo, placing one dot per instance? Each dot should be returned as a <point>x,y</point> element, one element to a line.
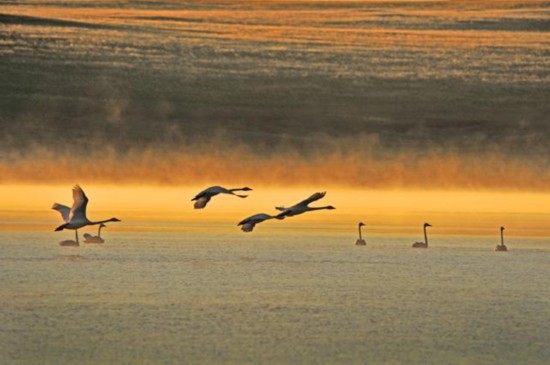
<point>423,244</point>
<point>77,214</point>
<point>88,238</point>
<point>249,223</point>
<point>360,241</point>
<point>302,207</point>
<point>204,196</point>
<point>502,247</point>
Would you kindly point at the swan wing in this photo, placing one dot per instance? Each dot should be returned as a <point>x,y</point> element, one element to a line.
<point>248,227</point>
<point>261,217</point>
<point>256,218</point>
<point>201,202</point>
<point>80,202</point>
<point>251,219</point>
<point>200,195</point>
<point>211,191</point>
<point>244,221</point>
<point>220,190</point>
<point>312,198</point>
<point>64,210</point>
<point>283,214</point>
<point>249,223</point>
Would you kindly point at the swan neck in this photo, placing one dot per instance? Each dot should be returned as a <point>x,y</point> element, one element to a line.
<point>425,236</point>
<point>502,238</point>
<point>103,221</point>
<point>360,236</point>
<point>319,208</point>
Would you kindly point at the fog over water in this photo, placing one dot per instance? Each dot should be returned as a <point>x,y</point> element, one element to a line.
<point>385,82</point>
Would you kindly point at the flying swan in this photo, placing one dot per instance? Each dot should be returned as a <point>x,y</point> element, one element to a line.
<point>65,211</point>
<point>76,217</point>
<point>204,196</point>
<point>249,223</point>
<point>302,207</point>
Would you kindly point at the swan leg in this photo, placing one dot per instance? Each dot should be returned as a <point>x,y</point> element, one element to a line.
<point>76,235</point>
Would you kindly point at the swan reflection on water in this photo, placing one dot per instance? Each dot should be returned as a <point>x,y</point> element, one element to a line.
<point>71,257</point>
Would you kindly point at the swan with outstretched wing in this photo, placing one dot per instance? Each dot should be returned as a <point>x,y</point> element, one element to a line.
<point>202,198</point>
<point>303,206</point>
<point>77,214</point>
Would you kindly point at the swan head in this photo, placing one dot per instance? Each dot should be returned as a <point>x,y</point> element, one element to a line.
<point>330,207</point>
<point>114,220</point>
<point>361,224</point>
<point>102,225</point>
<point>427,225</point>
<point>501,229</point>
<point>246,188</point>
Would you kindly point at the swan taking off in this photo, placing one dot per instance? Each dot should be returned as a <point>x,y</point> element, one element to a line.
<point>360,241</point>
<point>249,223</point>
<point>77,214</point>
<point>65,211</point>
<point>204,196</point>
<point>88,238</point>
<point>423,244</point>
<point>302,206</point>
<point>502,247</point>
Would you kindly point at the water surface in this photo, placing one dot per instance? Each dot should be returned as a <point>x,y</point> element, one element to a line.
<point>153,298</point>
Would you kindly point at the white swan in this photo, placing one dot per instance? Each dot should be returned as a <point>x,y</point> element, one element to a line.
<point>65,211</point>
<point>302,206</point>
<point>77,214</point>
<point>204,196</point>
<point>249,223</point>
<point>502,247</point>
<point>423,244</point>
<point>88,238</point>
<point>360,241</point>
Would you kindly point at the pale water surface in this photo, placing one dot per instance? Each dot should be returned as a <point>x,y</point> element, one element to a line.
<point>289,297</point>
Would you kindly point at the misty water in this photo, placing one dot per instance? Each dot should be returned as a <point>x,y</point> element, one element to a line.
<point>366,78</point>
<point>304,296</point>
